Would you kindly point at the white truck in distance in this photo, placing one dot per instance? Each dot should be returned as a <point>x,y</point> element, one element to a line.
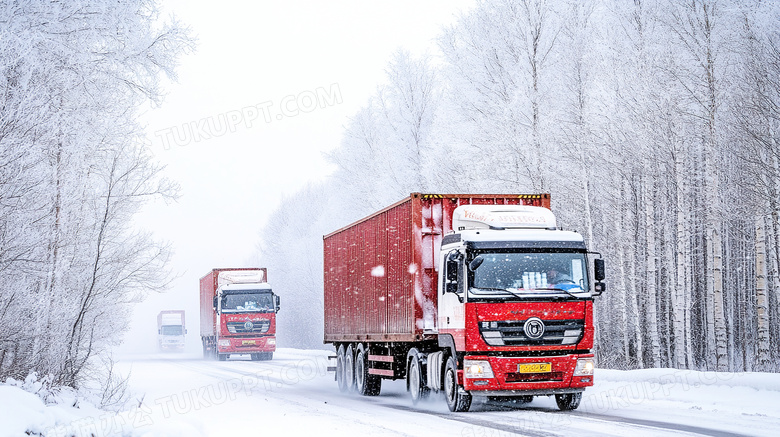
<point>171,330</point>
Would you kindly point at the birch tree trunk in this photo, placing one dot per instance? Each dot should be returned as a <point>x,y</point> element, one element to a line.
<point>650,280</point>
<point>762,306</point>
<point>632,293</point>
<point>679,308</point>
<point>623,292</point>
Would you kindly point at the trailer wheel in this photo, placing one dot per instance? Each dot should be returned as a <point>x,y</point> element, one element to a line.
<point>349,368</point>
<point>366,383</point>
<point>415,382</point>
<point>341,377</point>
<point>568,401</point>
<point>457,399</point>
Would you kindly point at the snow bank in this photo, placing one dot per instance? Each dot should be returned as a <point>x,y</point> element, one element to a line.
<point>29,408</point>
<point>24,412</point>
<point>21,411</point>
<point>755,380</point>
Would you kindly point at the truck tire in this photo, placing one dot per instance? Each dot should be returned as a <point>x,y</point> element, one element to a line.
<point>255,357</point>
<point>457,399</point>
<point>415,381</point>
<point>568,401</point>
<point>366,383</point>
<point>340,369</point>
<point>222,357</point>
<point>268,356</point>
<point>349,368</point>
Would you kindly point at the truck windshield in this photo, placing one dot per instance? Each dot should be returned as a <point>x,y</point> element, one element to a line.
<point>501,275</point>
<point>172,330</point>
<point>250,301</point>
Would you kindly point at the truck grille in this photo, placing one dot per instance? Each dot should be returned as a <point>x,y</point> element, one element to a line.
<point>259,326</point>
<point>512,333</point>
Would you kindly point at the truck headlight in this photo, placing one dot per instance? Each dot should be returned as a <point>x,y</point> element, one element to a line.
<point>224,343</point>
<point>584,367</point>
<point>271,341</point>
<point>477,369</point>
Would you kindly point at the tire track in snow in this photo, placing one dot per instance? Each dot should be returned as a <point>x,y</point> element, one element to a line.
<point>222,370</point>
<point>698,430</point>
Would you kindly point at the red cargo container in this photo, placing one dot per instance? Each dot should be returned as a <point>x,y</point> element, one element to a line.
<point>403,240</point>
<point>389,318</point>
<point>239,330</point>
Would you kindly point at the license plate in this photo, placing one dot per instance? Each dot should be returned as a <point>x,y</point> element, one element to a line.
<point>248,342</point>
<point>534,368</point>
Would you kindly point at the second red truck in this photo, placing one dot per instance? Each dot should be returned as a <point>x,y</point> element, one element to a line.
<point>472,295</point>
<point>238,314</point>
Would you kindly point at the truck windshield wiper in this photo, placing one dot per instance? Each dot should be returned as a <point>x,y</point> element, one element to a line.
<point>500,289</point>
<point>561,289</point>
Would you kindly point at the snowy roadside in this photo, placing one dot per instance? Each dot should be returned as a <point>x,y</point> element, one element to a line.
<point>28,408</point>
<point>184,396</point>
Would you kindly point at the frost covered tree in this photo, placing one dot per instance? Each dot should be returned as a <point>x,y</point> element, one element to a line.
<point>73,171</point>
<point>498,63</point>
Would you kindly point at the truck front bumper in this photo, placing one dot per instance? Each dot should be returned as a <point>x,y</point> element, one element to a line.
<point>246,345</point>
<point>518,376</point>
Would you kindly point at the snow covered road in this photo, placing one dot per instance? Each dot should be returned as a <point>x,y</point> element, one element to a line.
<point>181,395</point>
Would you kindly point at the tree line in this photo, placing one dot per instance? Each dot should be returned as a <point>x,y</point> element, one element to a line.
<point>654,124</point>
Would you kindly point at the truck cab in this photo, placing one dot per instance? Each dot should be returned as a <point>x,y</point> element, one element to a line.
<point>243,308</point>
<point>516,304</point>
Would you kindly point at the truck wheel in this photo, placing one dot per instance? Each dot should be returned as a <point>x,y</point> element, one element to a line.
<point>255,357</point>
<point>415,382</point>
<point>268,356</point>
<point>341,377</point>
<point>568,401</point>
<point>222,357</point>
<point>349,368</point>
<point>457,399</point>
<point>366,383</point>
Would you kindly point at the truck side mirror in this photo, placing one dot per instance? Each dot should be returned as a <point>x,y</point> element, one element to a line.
<point>599,269</point>
<point>159,331</point>
<point>215,303</point>
<point>452,271</point>
<point>599,273</point>
<point>278,300</point>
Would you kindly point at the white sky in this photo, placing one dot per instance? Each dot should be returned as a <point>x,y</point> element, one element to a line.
<point>269,54</point>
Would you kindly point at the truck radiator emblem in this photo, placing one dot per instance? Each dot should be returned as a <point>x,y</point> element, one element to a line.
<point>534,328</point>
<point>248,325</point>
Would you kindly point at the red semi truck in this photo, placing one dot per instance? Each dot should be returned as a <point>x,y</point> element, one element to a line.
<point>472,295</point>
<point>238,314</point>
